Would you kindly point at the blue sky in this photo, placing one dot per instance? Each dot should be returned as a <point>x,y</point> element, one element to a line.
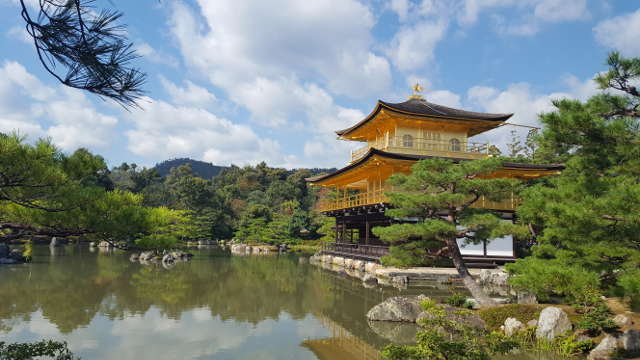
<point>250,80</point>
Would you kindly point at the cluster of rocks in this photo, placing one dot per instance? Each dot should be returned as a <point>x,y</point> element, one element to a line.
<point>409,309</point>
<point>359,266</point>
<point>554,322</point>
<point>8,256</point>
<point>243,249</point>
<point>628,340</point>
<point>167,257</point>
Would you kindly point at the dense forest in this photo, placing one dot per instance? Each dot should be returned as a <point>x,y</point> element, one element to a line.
<point>45,192</point>
<point>251,203</point>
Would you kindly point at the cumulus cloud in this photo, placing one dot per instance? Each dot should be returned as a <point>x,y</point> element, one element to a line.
<point>561,10</point>
<point>401,8</point>
<point>620,33</point>
<point>190,94</point>
<point>163,130</point>
<point>65,115</point>
<point>530,14</point>
<point>413,47</point>
<point>328,44</point>
<point>328,41</point>
<point>151,54</point>
<point>524,103</point>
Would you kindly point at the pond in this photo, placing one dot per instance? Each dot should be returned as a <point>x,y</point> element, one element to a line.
<point>215,307</point>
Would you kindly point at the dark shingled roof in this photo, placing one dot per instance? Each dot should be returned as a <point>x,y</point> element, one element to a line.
<point>421,107</point>
<point>397,156</point>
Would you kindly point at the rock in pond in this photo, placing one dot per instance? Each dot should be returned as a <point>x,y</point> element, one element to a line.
<point>552,322</point>
<point>147,256</point>
<point>134,257</point>
<point>369,279</point>
<point>398,308</point>
<point>168,258</point>
<point>16,255</point>
<point>4,251</point>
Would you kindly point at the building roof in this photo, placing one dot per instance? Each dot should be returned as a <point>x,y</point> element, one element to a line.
<point>421,107</point>
<point>373,152</point>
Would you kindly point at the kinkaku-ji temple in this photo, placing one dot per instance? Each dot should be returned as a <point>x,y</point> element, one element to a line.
<point>396,135</point>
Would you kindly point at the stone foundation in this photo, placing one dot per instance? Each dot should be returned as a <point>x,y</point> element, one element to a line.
<point>425,277</point>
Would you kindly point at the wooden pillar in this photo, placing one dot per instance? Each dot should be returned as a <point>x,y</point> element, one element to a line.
<point>366,230</point>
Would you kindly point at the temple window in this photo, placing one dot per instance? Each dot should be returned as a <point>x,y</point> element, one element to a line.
<point>455,144</point>
<point>407,141</point>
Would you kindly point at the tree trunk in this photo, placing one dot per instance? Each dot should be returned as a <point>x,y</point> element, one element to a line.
<point>476,291</point>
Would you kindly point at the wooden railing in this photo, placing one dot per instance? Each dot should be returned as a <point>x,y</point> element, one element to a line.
<point>379,197</point>
<point>418,146</point>
<point>358,250</point>
<point>360,199</point>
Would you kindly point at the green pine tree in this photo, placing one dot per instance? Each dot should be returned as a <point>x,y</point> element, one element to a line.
<point>587,220</point>
<point>440,193</point>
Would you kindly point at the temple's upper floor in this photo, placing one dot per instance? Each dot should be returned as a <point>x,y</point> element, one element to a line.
<point>419,127</point>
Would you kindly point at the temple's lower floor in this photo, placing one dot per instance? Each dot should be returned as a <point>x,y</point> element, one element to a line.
<point>355,239</point>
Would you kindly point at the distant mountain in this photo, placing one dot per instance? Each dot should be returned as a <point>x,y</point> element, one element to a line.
<point>207,170</point>
<point>203,169</point>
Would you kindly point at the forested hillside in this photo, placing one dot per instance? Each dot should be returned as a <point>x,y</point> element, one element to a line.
<point>252,203</point>
<point>202,169</point>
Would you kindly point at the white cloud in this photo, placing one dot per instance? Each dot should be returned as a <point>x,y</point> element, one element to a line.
<point>64,114</point>
<point>162,130</point>
<point>413,47</point>
<point>326,43</point>
<point>150,54</point>
<point>524,103</point>
<point>19,33</point>
<point>443,97</point>
<point>530,14</point>
<point>329,40</point>
<point>401,8</point>
<point>620,33</point>
<point>561,10</point>
<point>471,9</point>
<point>191,94</point>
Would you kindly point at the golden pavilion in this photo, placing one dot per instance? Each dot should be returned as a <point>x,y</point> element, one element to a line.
<point>394,137</point>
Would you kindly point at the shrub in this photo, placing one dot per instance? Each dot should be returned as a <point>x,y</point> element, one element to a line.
<point>456,299</point>
<point>547,278</point>
<point>629,281</point>
<point>596,316</point>
<point>568,346</point>
<point>23,351</point>
<point>596,320</point>
<point>494,317</point>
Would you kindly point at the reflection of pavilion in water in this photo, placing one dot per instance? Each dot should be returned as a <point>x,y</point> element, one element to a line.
<point>342,345</point>
<point>351,336</point>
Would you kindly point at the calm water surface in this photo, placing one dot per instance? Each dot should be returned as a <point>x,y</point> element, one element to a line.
<point>215,307</point>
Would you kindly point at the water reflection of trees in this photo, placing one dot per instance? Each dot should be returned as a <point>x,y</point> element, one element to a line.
<point>71,288</point>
